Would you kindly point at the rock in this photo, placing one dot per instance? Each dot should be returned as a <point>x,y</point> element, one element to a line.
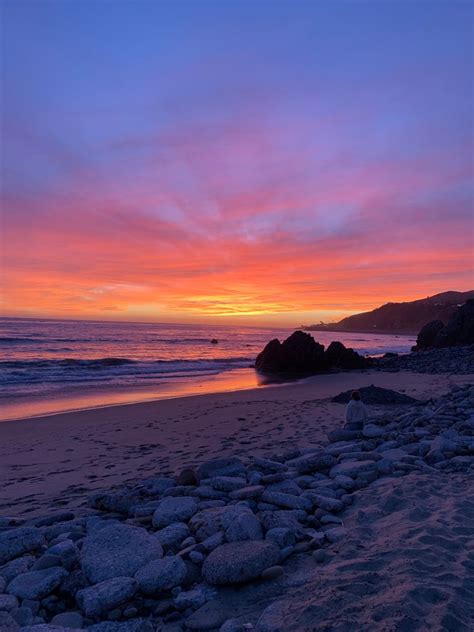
<point>427,335</point>
<point>319,556</point>
<point>118,551</point>
<point>298,354</point>
<point>340,357</point>
<point>67,552</point>
<point>352,468</point>
<point>312,462</point>
<point>46,561</point>
<point>287,500</point>
<point>252,491</point>
<point>272,573</point>
<point>173,535</point>
<point>239,562</point>
<point>196,557</point>
<point>16,567</point>
<point>343,435</point>
<point>134,625</point>
<point>377,396</point>
<point>36,584</point>
<point>23,616</point>
<point>326,502</point>
<point>174,509</point>
<point>208,617</point>
<point>244,526</point>
<point>47,521</point>
<point>187,477</point>
<point>105,595</point>
<point>15,542</point>
<point>227,483</point>
<point>194,598</point>
<point>162,574</point>
<point>68,620</point>
<point>335,535</point>
<point>8,623</point>
<point>460,328</point>
<point>8,602</point>
<point>232,625</point>
<point>370,431</point>
<point>229,466</point>
<point>281,536</point>
<point>268,465</point>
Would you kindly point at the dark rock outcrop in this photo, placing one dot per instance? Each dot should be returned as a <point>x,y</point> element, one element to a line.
<point>339,356</point>
<point>428,333</point>
<point>300,354</point>
<point>459,330</point>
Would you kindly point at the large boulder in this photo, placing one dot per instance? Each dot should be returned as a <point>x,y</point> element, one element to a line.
<point>460,328</point>
<point>458,331</point>
<point>427,335</point>
<point>15,542</point>
<point>239,562</point>
<point>298,354</point>
<point>118,551</point>
<point>227,466</point>
<point>340,357</point>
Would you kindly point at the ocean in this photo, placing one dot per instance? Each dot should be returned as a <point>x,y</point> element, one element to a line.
<point>50,366</point>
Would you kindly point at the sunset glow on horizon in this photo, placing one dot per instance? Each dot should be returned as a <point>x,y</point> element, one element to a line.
<point>274,163</point>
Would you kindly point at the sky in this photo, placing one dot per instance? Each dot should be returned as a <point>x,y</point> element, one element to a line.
<point>271,161</point>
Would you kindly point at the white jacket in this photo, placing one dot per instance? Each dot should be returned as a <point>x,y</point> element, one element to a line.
<point>356,412</point>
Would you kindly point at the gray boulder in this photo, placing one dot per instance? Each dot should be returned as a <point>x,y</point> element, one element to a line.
<point>238,522</point>
<point>161,575</point>
<point>239,562</point>
<point>118,551</point>
<point>106,595</point>
<point>174,509</point>
<point>15,542</point>
<point>36,584</point>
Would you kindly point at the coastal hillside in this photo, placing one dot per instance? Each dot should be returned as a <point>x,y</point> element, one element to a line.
<point>402,318</point>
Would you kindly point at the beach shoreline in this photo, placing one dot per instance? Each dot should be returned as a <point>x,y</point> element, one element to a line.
<point>57,460</point>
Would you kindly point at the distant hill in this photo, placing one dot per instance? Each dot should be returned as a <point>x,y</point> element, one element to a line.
<point>400,318</point>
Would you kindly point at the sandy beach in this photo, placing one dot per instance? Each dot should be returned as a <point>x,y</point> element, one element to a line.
<point>57,461</point>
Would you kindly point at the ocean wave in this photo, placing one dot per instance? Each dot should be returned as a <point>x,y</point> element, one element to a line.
<point>16,340</point>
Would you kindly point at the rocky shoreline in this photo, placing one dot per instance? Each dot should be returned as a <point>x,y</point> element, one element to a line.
<point>170,553</point>
<point>455,360</point>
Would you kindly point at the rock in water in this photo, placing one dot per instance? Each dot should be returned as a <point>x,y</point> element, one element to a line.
<point>300,353</point>
<point>339,356</point>
<point>239,562</point>
<point>118,551</point>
